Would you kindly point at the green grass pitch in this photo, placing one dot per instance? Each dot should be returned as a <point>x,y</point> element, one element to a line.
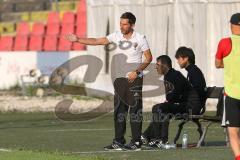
<point>41,136</point>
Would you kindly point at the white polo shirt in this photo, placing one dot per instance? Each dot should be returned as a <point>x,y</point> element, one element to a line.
<point>138,44</point>
<point>132,48</point>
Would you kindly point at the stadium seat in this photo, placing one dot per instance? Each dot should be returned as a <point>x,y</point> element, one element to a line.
<point>38,29</point>
<point>81,18</point>
<point>79,47</point>
<point>39,16</point>
<point>82,7</point>
<point>7,27</point>
<point>53,29</point>
<point>23,29</point>
<point>36,43</point>
<point>63,6</point>
<point>68,17</point>
<point>81,30</point>
<point>53,18</point>
<point>6,43</point>
<point>67,28</point>
<point>64,45</point>
<point>25,16</point>
<point>81,27</point>
<point>53,24</point>
<point>50,43</point>
<point>21,43</point>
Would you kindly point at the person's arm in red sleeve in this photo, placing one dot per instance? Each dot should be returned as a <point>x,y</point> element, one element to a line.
<point>224,49</point>
<point>219,55</point>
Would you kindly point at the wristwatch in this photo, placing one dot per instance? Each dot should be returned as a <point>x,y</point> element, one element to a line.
<point>138,72</point>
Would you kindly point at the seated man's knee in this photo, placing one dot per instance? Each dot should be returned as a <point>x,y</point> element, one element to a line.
<point>155,108</point>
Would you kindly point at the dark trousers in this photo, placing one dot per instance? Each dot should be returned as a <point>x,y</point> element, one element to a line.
<point>161,114</point>
<point>127,98</point>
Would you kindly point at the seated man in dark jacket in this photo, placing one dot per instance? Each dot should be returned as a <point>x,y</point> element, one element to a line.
<point>192,99</point>
<point>186,59</point>
<point>176,99</point>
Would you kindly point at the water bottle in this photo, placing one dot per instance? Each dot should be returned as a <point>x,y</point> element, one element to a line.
<point>184,141</point>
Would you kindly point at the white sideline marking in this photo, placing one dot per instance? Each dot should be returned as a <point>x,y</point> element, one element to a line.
<point>84,129</point>
<point>156,150</point>
<point>4,150</point>
<point>93,152</point>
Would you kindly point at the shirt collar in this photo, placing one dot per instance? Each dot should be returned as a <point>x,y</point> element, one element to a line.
<point>169,72</point>
<point>133,35</point>
<point>189,67</point>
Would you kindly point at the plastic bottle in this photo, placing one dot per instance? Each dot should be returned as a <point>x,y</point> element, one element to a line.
<point>184,141</point>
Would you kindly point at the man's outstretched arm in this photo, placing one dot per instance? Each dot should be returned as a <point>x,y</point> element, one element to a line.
<point>87,41</point>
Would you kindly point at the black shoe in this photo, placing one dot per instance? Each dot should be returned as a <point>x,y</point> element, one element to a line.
<point>133,146</point>
<point>116,146</point>
<point>156,144</point>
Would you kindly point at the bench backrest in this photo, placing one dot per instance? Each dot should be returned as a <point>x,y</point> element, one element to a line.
<point>216,93</point>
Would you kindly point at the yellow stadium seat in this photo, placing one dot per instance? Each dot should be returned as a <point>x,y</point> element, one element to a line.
<point>64,6</point>
<point>25,16</point>
<point>40,16</point>
<point>7,27</point>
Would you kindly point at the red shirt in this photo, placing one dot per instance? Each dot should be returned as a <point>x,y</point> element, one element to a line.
<point>224,48</point>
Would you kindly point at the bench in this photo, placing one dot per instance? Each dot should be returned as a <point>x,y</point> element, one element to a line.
<point>212,93</point>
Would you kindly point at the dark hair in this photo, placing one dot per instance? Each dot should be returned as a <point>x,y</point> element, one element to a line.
<point>128,15</point>
<point>165,60</point>
<point>184,52</point>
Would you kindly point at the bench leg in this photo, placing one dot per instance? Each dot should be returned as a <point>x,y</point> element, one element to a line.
<point>180,127</point>
<point>204,134</point>
<point>200,131</point>
<point>226,137</point>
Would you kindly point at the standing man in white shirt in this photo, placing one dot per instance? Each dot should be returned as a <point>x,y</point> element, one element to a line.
<point>124,100</point>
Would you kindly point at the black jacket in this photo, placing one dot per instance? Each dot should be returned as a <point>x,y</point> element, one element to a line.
<point>197,81</point>
<point>178,91</point>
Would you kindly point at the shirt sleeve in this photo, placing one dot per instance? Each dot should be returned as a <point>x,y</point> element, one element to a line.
<point>224,48</point>
<point>111,37</point>
<point>197,80</point>
<point>145,45</point>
